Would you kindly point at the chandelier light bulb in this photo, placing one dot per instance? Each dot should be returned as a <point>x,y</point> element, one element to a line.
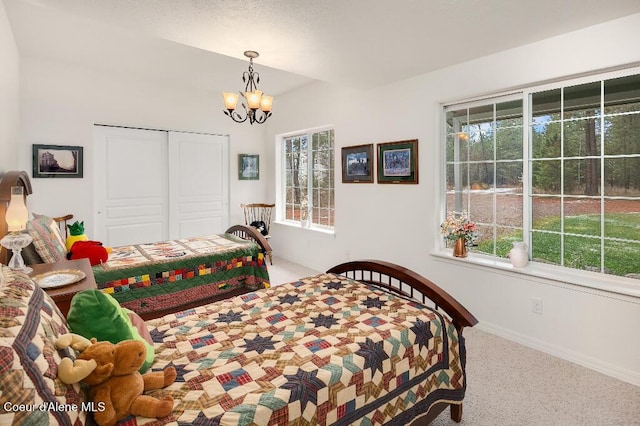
<point>230,100</point>
<point>265,103</point>
<point>253,99</point>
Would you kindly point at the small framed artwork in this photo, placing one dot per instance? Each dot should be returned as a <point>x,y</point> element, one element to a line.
<point>57,161</point>
<point>248,166</point>
<point>357,164</point>
<point>398,162</point>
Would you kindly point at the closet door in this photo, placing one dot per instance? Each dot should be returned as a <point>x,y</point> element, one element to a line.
<point>198,184</point>
<point>130,186</point>
<point>154,185</point>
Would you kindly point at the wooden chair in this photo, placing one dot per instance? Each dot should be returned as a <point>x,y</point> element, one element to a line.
<point>62,224</point>
<point>259,212</point>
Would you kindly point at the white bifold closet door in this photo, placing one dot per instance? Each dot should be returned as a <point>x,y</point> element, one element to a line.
<point>155,185</point>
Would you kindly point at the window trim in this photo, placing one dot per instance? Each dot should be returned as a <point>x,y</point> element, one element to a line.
<point>561,274</point>
<point>281,179</point>
<point>583,279</point>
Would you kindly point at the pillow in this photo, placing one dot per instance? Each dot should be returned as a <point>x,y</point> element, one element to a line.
<point>30,255</point>
<point>46,238</point>
<point>96,314</point>
<point>30,323</point>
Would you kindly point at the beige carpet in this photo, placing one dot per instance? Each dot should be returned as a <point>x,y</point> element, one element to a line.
<point>510,384</point>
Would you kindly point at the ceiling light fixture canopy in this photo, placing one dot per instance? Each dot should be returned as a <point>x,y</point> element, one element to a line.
<point>259,104</point>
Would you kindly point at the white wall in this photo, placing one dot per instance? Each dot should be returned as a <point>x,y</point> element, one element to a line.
<point>9,95</point>
<point>60,103</point>
<point>400,223</point>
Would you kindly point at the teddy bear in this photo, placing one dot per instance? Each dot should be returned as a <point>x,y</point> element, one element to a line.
<point>115,385</point>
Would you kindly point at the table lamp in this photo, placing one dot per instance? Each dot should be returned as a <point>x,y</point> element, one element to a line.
<point>17,216</point>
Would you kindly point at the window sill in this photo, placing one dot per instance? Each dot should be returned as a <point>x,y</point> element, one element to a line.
<point>585,279</point>
<point>295,224</point>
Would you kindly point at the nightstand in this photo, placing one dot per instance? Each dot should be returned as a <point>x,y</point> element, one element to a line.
<point>62,295</point>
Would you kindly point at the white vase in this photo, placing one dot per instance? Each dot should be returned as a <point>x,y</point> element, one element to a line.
<point>519,254</point>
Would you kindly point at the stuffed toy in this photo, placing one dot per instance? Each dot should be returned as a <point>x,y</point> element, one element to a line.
<point>76,233</point>
<point>74,371</point>
<point>115,385</point>
<point>93,313</point>
<point>92,250</point>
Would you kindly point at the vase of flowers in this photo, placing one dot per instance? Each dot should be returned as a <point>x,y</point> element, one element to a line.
<point>458,229</point>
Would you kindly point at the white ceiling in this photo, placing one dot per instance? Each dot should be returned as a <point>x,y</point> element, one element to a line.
<point>355,43</point>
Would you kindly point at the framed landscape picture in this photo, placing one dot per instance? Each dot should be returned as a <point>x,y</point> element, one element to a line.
<point>57,161</point>
<point>357,164</point>
<point>398,162</point>
<point>248,167</point>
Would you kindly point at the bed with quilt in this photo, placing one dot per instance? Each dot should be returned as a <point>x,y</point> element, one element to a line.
<point>367,343</point>
<point>158,278</point>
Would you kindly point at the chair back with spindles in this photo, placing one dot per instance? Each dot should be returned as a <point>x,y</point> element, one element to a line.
<point>258,212</point>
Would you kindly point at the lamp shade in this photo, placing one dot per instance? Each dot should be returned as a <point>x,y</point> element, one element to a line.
<point>230,100</point>
<point>17,214</point>
<point>253,99</point>
<point>265,103</point>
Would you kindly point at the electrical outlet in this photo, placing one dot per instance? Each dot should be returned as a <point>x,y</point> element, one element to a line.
<point>536,305</point>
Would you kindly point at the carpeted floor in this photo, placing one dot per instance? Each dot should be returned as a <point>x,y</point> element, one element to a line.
<point>510,384</point>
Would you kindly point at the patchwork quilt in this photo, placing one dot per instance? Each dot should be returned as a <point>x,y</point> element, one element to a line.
<point>30,391</point>
<point>323,350</point>
<point>148,278</point>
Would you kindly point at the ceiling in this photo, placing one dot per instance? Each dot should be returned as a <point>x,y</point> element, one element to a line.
<point>354,43</point>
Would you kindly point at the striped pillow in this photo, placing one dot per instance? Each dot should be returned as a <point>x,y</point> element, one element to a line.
<point>46,238</point>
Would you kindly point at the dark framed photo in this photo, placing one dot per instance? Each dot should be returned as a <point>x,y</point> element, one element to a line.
<point>357,164</point>
<point>398,162</point>
<point>248,166</point>
<point>57,161</point>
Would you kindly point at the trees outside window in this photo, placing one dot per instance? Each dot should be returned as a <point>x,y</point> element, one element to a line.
<point>558,168</point>
<point>309,178</point>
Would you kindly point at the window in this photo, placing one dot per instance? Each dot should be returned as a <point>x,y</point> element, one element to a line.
<point>309,178</point>
<point>557,168</point>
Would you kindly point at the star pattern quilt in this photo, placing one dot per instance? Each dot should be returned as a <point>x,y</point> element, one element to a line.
<point>325,350</point>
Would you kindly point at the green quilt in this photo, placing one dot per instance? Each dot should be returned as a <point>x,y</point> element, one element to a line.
<point>161,276</point>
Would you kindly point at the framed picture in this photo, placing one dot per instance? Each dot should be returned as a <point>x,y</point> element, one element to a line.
<point>398,162</point>
<point>57,161</point>
<point>357,164</point>
<point>248,167</point>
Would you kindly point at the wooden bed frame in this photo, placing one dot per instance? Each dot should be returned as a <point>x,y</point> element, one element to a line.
<point>250,233</point>
<point>408,283</point>
<point>21,178</point>
<point>390,276</point>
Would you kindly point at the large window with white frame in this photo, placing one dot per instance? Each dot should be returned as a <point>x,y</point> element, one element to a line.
<point>557,167</point>
<point>309,178</point>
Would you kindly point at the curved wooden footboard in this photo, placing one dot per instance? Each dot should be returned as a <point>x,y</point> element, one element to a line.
<point>251,233</point>
<point>408,283</point>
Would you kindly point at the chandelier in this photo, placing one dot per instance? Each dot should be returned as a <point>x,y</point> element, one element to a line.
<point>258,107</point>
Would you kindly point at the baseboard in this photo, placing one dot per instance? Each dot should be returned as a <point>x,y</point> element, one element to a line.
<point>600,366</point>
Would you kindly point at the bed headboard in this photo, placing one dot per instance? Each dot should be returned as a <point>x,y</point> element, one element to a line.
<point>9,179</point>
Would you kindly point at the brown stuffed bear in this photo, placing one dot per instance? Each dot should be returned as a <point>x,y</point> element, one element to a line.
<point>116,387</point>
